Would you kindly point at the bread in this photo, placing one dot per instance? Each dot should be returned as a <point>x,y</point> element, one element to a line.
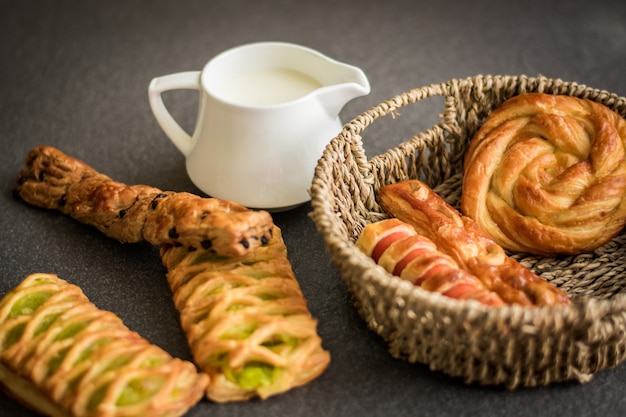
<point>396,246</point>
<point>246,320</point>
<point>459,237</point>
<point>62,356</point>
<point>53,180</point>
<point>547,175</point>
<point>245,317</point>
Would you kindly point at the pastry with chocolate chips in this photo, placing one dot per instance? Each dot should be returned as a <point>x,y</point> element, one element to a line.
<point>54,180</point>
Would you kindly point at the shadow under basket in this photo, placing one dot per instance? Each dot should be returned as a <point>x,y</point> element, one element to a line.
<point>512,346</point>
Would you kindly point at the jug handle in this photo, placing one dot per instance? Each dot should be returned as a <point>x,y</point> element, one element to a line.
<point>189,80</point>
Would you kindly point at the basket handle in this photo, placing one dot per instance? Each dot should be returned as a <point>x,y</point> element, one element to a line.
<point>390,107</point>
<point>373,171</point>
<point>595,313</point>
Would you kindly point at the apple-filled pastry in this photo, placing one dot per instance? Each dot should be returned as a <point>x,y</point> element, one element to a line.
<point>473,250</point>
<point>396,246</point>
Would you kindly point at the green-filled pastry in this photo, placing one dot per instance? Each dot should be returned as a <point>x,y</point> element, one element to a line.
<point>62,356</point>
<point>243,312</point>
<point>246,320</point>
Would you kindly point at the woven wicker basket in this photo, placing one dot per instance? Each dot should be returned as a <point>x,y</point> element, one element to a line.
<point>511,346</point>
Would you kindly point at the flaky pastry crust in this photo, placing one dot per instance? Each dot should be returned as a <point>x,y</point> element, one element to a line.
<point>64,357</point>
<point>246,320</point>
<point>546,175</point>
<point>240,305</point>
<point>458,236</point>
<point>402,252</point>
<point>54,180</point>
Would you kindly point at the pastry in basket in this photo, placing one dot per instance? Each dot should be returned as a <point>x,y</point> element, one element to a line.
<point>246,320</point>
<point>396,246</point>
<point>64,357</point>
<point>459,237</point>
<point>546,174</point>
<point>53,180</point>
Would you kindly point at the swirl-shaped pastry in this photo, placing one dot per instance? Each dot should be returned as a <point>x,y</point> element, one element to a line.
<point>62,356</point>
<point>547,174</point>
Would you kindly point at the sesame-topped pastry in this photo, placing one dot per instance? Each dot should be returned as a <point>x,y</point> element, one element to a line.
<point>246,320</point>
<point>63,357</point>
<point>53,180</point>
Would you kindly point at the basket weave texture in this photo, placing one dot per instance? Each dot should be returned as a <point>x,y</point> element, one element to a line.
<point>511,346</point>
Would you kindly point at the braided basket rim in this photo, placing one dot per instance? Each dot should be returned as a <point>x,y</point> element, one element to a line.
<point>512,345</point>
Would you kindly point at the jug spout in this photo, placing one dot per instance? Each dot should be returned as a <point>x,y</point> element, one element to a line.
<point>349,83</point>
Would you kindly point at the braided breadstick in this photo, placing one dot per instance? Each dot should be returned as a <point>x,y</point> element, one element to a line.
<point>547,174</point>
<point>472,249</point>
<point>54,180</point>
<point>396,246</point>
<point>62,356</point>
<point>246,320</point>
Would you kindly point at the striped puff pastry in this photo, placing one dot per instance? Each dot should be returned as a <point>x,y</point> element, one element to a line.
<point>396,246</point>
<point>474,251</point>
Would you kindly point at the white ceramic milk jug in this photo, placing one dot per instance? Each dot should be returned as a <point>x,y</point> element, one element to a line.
<point>266,112</point>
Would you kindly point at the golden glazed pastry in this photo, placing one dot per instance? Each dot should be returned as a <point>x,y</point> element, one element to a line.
<point>240,305</point>
<point>64,357</point>
<point>547,174</point>
<point>53,180</point>
<point>246,320</point>
<point>396,246</point>
<point>467,244</point>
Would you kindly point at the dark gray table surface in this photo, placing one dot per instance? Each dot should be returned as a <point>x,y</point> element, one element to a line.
<point>74,75</point>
